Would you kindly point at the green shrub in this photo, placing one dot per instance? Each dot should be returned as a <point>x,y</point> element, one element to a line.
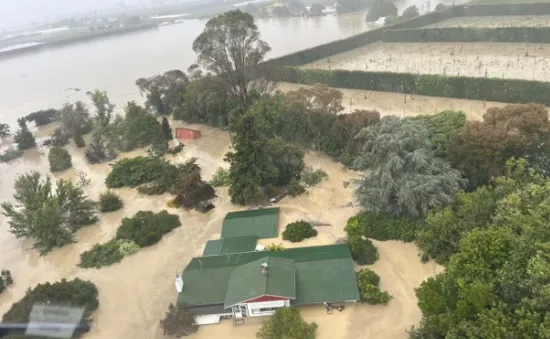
<point>363,250</point>
<point>298,231</point>
<point>109,202</point>
<point>313,177</point>
<point>179,321</point>
<point>470,34</point>
<point>101,255</point>
<point>221,178</point>
<point>489,89</point>
<point>127,247</point>
<point>381,226</point>
<point>43,117</point>
<point>10,154</point>
<point>79,141</point>
<point>59,159</point>
<point>295,188</point>
<point>287,323</point>
<point>135,171</point>
<point>73,293</point>
<point>176,150</point>
<point>24,139</point>
<point>108,253</point>
<point>147,228</point>
<point>275,247</point>
<point>369,288</point>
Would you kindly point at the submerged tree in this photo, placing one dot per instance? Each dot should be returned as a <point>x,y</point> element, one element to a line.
<point>4,130</point>
<point>287,322</point>
<point>402,175</point>
<point>191,190</point>
<point>380,9</point>
<point>104,108</point>
<point>166,129</point>
<point>98,151</point>
<point>23,137</point>
<point>164,93</point>
<point>76,120</point>
<point>179,321</point>
<point>231,48</point>
<point>48,216</point>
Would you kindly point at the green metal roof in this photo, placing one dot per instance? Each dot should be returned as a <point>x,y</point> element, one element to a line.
<point>323,273</point>
<point>230,245</point>
<point>249,282</point>
<point>263,223</point>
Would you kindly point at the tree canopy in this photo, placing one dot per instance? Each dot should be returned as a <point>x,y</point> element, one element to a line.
<point>287,322</point>
<point>403,176</point>
<point>70,293</point>
<point>231,48</point>
<point>496,281</point>
<point>481,149</point>
<point>380,9</point>
<point>48,216</point>
<point>164,93</point>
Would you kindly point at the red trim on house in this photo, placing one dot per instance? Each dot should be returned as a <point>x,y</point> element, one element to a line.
<point>265,298</point>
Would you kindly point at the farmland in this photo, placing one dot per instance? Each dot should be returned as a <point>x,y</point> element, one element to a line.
<point>495,60</point>
<point>495,22</point>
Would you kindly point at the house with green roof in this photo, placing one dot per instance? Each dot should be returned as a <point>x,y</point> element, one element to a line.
<point>256,283</point>
<point>263,223</point>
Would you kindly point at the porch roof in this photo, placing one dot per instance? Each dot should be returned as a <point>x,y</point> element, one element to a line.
<point>249,282</point>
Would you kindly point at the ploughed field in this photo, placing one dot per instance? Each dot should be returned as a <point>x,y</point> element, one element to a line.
<point>495,21</point>
<point>493,60</point>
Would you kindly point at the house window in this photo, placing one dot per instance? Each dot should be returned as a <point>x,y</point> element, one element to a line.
<point>264,310</point>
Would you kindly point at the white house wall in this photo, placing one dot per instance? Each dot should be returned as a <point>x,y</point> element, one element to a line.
<point>253,308</point>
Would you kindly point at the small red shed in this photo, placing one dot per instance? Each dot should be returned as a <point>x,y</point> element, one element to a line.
<point>187,133</point>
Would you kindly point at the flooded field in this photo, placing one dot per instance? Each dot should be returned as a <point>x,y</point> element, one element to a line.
<point>135,293</point>
<point>401,105</point>
<point>493,60</point>
<point>495,21</point>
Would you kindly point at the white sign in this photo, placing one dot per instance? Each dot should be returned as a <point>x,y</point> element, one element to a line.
<point>53,321</point>
<point>179,284</point>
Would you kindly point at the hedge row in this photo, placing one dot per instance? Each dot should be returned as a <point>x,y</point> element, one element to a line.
<point>490,89</point>
<point>339,46</point>
<point>461,34</point>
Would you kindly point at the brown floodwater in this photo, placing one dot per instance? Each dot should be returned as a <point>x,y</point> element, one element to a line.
<point>135,293</point>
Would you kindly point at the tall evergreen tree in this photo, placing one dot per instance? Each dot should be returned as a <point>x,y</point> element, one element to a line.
<point>402,175</point>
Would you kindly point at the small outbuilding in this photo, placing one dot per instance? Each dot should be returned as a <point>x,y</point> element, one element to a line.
<point>187,133</point>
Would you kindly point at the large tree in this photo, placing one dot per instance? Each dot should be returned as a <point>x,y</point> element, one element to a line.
<point>402,175</point>
<point>231,48</point>
<point>76,120</point>
<point>104,108</point>
<point>164,93</point>
<point>320,105</point>
<point>481,149</point>
<point>49,216</point>
<point>381,8</point>
<point>496,285</point>
<point>441,128</point>
<point>249,160</point>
